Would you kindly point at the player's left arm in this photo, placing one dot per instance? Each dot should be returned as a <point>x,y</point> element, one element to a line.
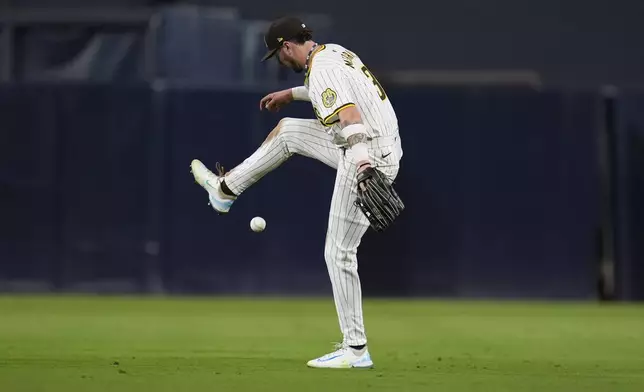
<point>332,96</point>
<point>355,133</point>
<point>375,197</point>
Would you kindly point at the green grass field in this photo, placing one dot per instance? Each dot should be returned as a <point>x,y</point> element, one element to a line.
<point>150,344</point>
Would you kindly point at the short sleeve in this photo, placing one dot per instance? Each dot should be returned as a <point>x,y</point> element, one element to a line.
<point>330,92</point>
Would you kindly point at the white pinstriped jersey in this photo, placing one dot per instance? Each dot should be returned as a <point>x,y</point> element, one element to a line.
<point>336,79</point>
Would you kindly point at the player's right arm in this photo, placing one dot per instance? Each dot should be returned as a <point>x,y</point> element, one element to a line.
<point>275,101</point>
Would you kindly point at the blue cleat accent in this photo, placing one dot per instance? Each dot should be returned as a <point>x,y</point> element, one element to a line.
<point>343,358</point>
<point>211,182</point>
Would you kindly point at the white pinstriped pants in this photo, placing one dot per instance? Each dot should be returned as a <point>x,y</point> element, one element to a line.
<point>347,224</point>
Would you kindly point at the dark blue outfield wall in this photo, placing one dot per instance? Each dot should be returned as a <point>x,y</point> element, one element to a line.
<point>501,188</point>
<point>629,173</point>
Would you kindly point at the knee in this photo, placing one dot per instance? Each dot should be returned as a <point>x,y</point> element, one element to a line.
<point>281,132</point>
<point>286,128</point>
<point>334,254</point>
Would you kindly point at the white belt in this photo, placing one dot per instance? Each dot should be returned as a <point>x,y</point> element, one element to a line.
<point>377,142</point>
<point>382,141</point>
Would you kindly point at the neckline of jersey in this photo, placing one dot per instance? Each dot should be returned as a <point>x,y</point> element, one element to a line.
<point>310,61</point>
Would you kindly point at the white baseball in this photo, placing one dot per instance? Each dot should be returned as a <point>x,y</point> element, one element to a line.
<point>257,224</point>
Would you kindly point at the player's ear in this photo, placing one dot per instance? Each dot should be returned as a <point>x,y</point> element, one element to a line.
<point>287,47</point>
<point>291,48</point>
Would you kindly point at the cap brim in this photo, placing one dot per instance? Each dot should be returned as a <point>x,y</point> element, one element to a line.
<point>270,54</point>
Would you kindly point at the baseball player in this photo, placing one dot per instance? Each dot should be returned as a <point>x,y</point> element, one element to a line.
<point>355,133</point>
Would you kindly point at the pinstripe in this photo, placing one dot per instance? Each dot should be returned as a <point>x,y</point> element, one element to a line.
<point>345,230</point>
<point>347,250</point>
<point>356,294</point>
<point>347,224</point>
<point>369,116</point>
<point>336,220</point>
<point>296,136</point>
<point>378,115</point>
<point>365,110</point>
<point>310,138</point>
<point>351,280</point>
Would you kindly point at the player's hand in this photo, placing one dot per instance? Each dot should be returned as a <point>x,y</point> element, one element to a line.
<point>275,101</point>
<point>362,166</point>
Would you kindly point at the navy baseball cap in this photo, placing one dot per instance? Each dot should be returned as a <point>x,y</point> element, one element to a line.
<point>281,30</point>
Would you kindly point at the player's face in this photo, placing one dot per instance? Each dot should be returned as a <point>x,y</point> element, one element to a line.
<point>286,57</point>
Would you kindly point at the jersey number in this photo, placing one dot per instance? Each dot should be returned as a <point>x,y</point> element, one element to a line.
<point>381,91</point>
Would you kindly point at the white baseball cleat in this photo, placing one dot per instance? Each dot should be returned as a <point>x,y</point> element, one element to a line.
<point>344,357</point>
<point>211,182</point>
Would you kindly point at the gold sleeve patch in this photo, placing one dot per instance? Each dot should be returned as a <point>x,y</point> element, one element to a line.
<point>329,97</point>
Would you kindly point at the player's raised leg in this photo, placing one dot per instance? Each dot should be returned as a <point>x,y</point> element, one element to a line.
<point>347,224</point>
<point>290,136</point>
